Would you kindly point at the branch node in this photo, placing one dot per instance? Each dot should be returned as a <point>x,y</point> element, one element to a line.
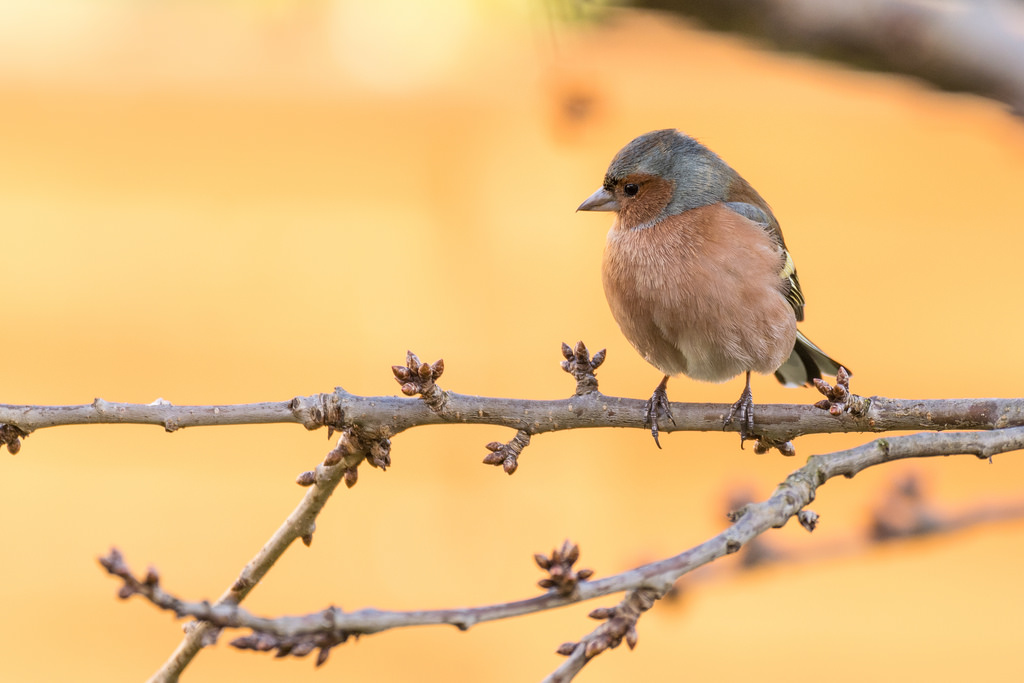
<point>737,514</point>
<point>379,453</point>
<point>351,476</point>
<point>562,578</point>
<point>326,412</point>
<point>581,365</point>
<point>507,454</point>
<point>295,646</point>
<point>418,378</point>
<point>620,623</point>
<point>11,436</point>
<point>347,444</point>
<point>210,637</point>
<point>808,519</point>
<point>348,452</point>
<point>838,399</point>
<point>765,444</point>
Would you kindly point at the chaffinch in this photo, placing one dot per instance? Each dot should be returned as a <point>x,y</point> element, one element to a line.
<point>697,274</point>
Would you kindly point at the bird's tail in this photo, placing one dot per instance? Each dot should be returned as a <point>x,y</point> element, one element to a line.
<point>806,363</point>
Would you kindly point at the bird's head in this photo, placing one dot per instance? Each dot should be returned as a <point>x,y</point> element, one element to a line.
<point>660,174</point>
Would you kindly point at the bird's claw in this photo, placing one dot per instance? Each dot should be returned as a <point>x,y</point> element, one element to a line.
<point>657,404</point>
<point>743,408</point>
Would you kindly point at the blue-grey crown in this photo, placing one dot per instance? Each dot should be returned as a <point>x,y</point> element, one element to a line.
<point>699,175</point>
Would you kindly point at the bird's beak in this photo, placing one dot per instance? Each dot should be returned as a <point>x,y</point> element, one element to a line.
<point>602,200</point>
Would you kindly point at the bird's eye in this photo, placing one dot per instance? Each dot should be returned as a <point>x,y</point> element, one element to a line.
<point>631,189</point>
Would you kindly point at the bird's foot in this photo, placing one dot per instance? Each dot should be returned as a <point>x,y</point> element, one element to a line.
<point>743,409</point>
<point>658,404</point>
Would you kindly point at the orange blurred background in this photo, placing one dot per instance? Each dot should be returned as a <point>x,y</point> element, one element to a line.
<point>237,202</point>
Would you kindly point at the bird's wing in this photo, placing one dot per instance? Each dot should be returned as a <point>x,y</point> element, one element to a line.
<point>754,213</point>
<point>766,220</point>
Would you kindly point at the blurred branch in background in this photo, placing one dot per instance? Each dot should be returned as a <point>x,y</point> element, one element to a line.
<point>959,45</point>
<point>904,512</point>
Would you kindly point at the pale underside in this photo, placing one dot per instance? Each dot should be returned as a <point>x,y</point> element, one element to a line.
<point>700,294</point>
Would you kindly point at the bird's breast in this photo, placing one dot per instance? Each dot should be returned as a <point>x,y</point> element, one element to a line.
<point>699,293</point>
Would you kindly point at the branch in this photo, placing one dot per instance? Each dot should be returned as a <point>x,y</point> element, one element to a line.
<point>310,411</point>
<point>390,415</point>
<point>349,452</point>
<point>644,584</point>
<point>381,417</point>
<point>367,423</point>
<point>788,500</point>
<point>905,512</point>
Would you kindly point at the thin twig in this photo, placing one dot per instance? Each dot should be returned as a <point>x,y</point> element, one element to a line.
<point>310,411</point>
<point>798,490</point>
<point>299,525</point>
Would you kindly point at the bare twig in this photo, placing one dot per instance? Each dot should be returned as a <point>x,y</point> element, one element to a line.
<point>310,411</point>
<point>507,454</point>
<point>838,399</point>
<point>418,378</point>
<point>645,583</point>
<point>788,500</point>
<point>299,525</point>
<point>619,624</point>
<point>561,576</point>
<point>582,366</point>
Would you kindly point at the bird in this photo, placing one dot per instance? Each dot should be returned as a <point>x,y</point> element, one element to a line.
<point>697,274</point>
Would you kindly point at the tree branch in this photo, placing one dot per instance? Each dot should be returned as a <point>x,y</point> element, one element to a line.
<point>309,411</point>
<point>385,416</point>
<point>644,584</point>
<point>367,423</point>
<point>299,524</point>
<point>381,417</point>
